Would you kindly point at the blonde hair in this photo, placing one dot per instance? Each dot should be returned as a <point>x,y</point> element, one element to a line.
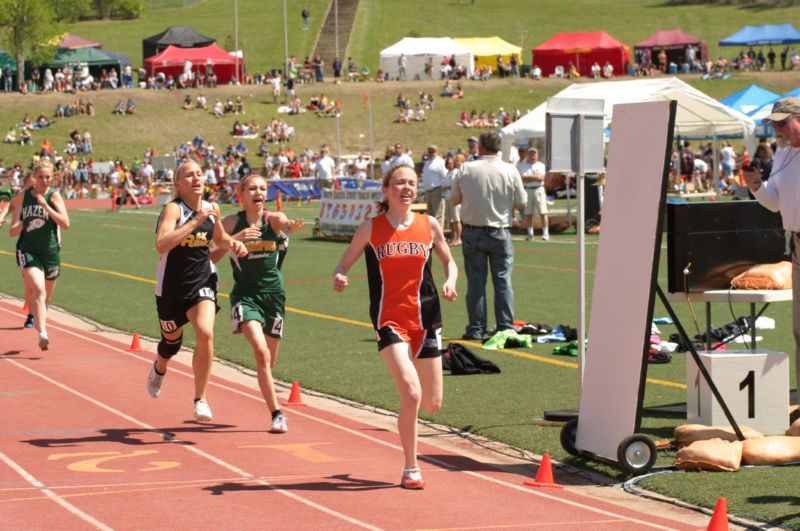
<point>383,204</point>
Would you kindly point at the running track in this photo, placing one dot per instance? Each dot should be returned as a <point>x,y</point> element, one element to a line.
<point>83,446</point>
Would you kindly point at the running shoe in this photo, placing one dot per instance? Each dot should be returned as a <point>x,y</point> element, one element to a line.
<point>202,412</point>
<point>412,479</point>
<point>279,424</point>
<point>44,341</point>
<point>154,382</point>
<point>29,321</point>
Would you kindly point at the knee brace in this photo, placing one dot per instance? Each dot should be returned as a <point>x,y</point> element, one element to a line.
<point>169,347</point>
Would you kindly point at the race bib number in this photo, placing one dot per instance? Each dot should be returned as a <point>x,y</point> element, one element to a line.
<point>277,327</point>
<point>207,293</point>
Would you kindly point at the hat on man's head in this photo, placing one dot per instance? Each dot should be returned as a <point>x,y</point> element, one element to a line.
<point>473,139</point>
<point>532,150</point>
<point>783,109</point>
<point>432,148</point>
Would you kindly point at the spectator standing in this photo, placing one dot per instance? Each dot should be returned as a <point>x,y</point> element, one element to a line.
<point>400,157</point>
<point>325,168</point>
<point>453,212</point>
<point>533,172</point>
<point>488,190</point>
<point>433,176</point>
<point>306,14</point>
<point>402,65</point>
<point>728,162</point>
<point>781,192</point>
<point>472,149</point>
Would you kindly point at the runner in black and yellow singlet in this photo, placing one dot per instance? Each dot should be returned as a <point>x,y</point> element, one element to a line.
<point>38,215</point>
<point>186,291</point>
<point>258,297</point>
<point>404,305</point>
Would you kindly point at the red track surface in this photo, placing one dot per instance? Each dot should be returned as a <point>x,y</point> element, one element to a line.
<point>83,446</point>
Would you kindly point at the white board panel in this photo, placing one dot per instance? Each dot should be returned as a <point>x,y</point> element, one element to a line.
<point>623,282</point>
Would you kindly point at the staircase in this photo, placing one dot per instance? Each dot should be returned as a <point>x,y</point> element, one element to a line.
<point>326,42</point>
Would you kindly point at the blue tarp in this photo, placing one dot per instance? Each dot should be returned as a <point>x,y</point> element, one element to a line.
<point>749,99</point>
<point>763,35</point>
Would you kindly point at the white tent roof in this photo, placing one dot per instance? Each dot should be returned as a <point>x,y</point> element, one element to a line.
<point>698,115</point>
<point>418,50</point>
<point>425,46</point>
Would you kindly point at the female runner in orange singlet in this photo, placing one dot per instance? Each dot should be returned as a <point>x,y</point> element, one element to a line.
<point>404,304</point>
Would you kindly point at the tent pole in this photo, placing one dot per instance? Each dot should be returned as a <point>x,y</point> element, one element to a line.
<point>236,39</point>
<point>285,44</point>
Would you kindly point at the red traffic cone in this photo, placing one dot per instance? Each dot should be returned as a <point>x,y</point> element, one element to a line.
<point>719,520</point>
<point>294,397</point>
<point>544,476</point>
<point>135,346</point>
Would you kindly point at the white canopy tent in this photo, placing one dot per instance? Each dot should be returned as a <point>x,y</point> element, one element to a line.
<point>419,50</point>
<point>698,115</point>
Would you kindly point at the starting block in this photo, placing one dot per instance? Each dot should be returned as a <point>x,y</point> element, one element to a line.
<point>754,385</point>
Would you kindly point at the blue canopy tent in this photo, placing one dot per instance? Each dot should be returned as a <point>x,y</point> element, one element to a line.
<point>749,99</point>
<point>122,58</point>
<point>762,129</point>
<point>768,34</point>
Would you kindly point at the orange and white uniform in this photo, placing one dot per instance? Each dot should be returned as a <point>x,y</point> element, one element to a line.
<point>404,303</point>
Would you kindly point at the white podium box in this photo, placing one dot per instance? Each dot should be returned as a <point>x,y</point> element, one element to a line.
<point>753,384</point>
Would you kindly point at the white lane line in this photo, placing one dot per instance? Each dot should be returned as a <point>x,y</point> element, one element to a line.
<point>201,453</point>
<point>39,486</point>
<point>442,464</point>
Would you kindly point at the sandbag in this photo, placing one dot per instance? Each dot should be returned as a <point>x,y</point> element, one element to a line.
<point>715,455</point>
<point>688,433</point>
<point>773,450</point>
<point>794,429</point>
<point>765,276</point>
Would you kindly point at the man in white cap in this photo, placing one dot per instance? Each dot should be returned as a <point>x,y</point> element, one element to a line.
<point>782,193</point>
<point>433,174</point>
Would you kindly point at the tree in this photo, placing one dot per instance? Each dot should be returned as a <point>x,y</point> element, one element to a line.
<point>28,26</point>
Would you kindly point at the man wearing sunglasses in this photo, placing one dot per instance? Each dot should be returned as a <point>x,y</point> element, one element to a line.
<point>782,193</point>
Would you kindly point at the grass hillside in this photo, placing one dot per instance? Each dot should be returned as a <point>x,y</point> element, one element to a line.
<point>382,22</point>
<point>161,123</point>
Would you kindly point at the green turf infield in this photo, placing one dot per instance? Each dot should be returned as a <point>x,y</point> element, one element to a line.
<point>108,275</point>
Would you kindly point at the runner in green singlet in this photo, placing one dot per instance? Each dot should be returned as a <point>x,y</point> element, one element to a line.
<point>38,215</point>
<point>258,296</point>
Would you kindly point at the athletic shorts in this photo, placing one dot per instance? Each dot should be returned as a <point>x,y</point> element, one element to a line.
<point>50,264</point>
<point>423,343</point>
<point>537,201</point>
<point>266,308</point>
<point>172,310</point>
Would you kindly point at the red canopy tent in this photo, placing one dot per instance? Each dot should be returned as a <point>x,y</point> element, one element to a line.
<point>171,61</point>
<point>73,42</point>
<point>582,49</point>
<point>674,43</point>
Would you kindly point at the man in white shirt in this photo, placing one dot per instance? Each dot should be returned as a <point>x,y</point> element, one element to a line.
<point>533,172</point>
<point>781,193</point>
<point>325,168</point>
<point>433,174</point>
<point>400,157</point>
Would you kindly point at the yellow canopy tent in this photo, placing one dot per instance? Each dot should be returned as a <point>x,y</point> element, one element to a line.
<point>486,49</point>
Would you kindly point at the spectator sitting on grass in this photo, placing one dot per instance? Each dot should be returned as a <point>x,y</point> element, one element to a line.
<point>119,108</point>
<point>187,103</point>
<point>130,106</point>
<point>219,110</point>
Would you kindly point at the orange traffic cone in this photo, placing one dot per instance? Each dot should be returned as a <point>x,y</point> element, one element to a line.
<point>544,476</point>
<point>719,520</point>
<point>25,307</point>
<point>278,201</point>
<point>294,397</point>
<point>135,345</point>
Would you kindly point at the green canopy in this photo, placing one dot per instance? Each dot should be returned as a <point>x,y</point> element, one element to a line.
<point>90,56</point>
<point>6,59</point>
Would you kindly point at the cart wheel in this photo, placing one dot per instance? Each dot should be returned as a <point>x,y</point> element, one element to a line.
<point>568,433</point>
<point>636,454</point>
